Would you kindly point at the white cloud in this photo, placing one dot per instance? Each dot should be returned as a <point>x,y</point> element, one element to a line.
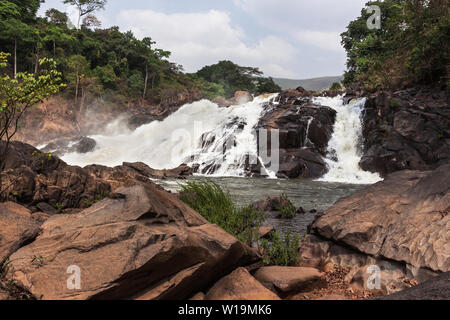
<point>321,39</point>
<point>199,39</point>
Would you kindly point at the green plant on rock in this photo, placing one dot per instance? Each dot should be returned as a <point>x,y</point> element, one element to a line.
<point>217,206</point>
<point>286,208</point>
<point>281,251</point>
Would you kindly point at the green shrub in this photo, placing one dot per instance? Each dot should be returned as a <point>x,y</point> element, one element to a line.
<point>281,251</point>
<point>286,208</point>
<point>216,206</point>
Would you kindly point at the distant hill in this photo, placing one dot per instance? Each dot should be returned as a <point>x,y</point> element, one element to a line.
<point>316,84</point>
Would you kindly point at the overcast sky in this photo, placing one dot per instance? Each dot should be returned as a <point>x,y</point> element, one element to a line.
<point>294,39</point>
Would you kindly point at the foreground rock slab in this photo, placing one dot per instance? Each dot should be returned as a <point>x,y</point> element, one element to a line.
<point>143,244</point>
<point>17,227</point>
<point>437,288</point>
<point>240,285</point>
<point>401,225</point>
<point>287,279</point>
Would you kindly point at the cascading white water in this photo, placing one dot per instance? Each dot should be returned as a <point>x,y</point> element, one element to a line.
<point>178,139</point>
<point>344,143</point>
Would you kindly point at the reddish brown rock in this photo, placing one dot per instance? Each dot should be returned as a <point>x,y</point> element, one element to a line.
<point>287,279</point>
<point>17,228</point>
<point>400,225</point>
<point>143,244</point>
<point>39,179</point>
<point>240,285</point>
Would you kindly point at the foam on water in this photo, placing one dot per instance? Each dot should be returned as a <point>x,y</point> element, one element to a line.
<point>344,145</point>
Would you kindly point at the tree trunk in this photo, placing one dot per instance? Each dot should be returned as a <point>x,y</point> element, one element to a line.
<point>76,87</point>
<point>15,58</point>
<point>36,66</point>
<point>54,48</point>
<point>145,82</point>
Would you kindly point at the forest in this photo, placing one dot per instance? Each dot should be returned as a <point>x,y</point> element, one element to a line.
<point>410,47</point>
<point>107,62</point>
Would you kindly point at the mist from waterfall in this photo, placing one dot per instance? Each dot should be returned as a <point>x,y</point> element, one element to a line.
<point>199,133</point>
<point>222,140</point>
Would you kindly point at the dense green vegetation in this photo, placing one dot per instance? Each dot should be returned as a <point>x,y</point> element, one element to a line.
<point>233,78</point>
<point>411,47</point>
<point>217,206</point>
<point>107,63</point>
<point>281,251</point>
<point>20,93</point>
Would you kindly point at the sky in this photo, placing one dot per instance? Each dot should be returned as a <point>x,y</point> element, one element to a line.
<point>296,39</point>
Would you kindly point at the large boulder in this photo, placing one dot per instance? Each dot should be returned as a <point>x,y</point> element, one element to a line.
<point>17,228</point>
<point>402,223</point>
<point>240,285</point>
<point>37,179</point>
<point>287,279</point>
<point>142,243</point>
<point>304,132</point>
<point>407,129</point>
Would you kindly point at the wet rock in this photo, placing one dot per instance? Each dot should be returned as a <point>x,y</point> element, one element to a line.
<point>85,145</point>
<point>17,228</point>
<point>287,279</point>
<point>180,172</point>
<point>304,132</point>
<point>240,285</point>
<point>406,129</point>
<point>148,245</point>
<point>272,204</point>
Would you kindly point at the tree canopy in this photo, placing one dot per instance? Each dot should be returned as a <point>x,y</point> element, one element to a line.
<point>410,47</point>
<point>234,77</point>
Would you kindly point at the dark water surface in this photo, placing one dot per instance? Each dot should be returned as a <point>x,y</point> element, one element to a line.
<point>303,193</point>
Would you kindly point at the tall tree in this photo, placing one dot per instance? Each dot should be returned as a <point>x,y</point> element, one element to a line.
<point>86,7</point>
<point>17,96</point>
<point>57,17</point>
<point>78,66</point>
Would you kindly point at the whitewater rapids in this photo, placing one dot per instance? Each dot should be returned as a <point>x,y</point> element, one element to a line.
<point>178,139</point>
<point>344,146</point>
<point>221,140</point>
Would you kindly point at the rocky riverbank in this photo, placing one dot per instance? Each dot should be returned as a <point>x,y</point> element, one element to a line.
<point>400,225</point>
<point>139,241</point>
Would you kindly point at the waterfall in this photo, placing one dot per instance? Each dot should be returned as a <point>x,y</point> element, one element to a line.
<point>219,140</point>
<point>344,155</point>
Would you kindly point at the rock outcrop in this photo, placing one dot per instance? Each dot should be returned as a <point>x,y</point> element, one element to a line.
<point>240,285</point>
<point>17,228</point>
<point>401,224</point>
<point>38,179</point>
<point>407,129</point>
<point>240,97</point>
<point>287,279</point>
<point>437,288</point>
<point>142,244</point>
<point>304,132</point>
